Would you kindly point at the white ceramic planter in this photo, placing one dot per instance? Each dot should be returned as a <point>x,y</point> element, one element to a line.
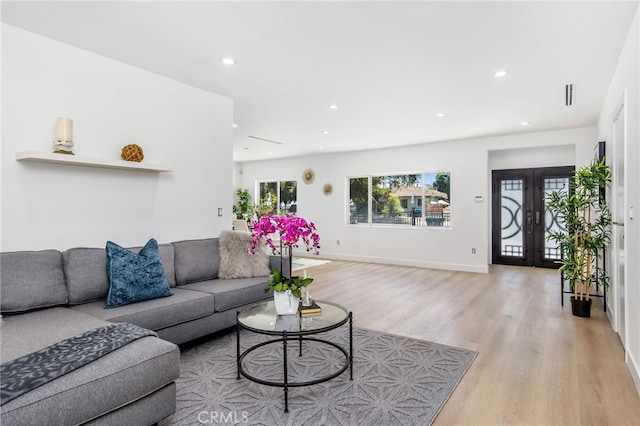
<point>286,303</point>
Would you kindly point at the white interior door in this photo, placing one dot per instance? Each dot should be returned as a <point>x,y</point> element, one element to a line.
<point>618,265</point>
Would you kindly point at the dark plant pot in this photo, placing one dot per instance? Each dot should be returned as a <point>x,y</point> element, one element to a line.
<point>581,308</point>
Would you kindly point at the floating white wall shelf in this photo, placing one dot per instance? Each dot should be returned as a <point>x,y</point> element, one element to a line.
<point>50,157</point>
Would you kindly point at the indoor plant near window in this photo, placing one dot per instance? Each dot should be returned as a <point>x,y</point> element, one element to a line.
<point>243,209</point>
<point>587,220</point>
<point>290,230</point>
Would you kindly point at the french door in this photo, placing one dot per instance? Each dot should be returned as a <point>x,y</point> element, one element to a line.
<point>520,218</point>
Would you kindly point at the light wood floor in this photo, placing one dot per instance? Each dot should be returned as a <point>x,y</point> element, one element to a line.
<point>537,364</point>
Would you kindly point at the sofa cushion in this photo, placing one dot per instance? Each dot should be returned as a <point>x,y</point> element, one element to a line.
<point>196,260</point>
<point>86,272</point>
<point>235,259</point>
<point>156,314</point>
<point>32,331</point>
<point>230,294</point>
<point>135,277</point>
<point>31,280</point>
<point>100,387</point>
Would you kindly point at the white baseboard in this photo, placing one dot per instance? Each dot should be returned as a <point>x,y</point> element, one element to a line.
<point>482,269</point>
<point>612,317</point>
<point>634,369</point>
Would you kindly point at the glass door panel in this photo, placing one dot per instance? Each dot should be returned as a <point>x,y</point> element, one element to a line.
<point>511,217</point>
<point>551,222</point>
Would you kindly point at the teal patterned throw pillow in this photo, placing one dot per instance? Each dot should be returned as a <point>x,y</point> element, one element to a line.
<point>135,277</point>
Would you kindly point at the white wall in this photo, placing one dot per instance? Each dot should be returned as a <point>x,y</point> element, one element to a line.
<point>111,104</point>
<point>468,162</point>
<point>523,158</point>
<point>627,80</point>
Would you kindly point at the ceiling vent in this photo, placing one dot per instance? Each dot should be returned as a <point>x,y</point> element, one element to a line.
<point>266,140</point>
<point>569,94</point>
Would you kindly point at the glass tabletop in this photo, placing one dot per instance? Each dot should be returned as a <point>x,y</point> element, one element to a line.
<point>262,318</point>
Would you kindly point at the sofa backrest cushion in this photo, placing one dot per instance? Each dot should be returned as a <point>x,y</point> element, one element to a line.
<point>86,272</point>
<point>196,260</point>
<point>31,280</point>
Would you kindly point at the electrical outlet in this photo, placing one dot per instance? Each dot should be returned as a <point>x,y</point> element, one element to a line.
<point>473,251</point>
<point>219,211</point>
<point>338,242</point>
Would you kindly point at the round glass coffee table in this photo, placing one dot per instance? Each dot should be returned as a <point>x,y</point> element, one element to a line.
<point>262,318</point>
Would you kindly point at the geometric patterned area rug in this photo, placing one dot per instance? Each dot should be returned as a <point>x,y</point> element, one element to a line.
<point>396,381</point>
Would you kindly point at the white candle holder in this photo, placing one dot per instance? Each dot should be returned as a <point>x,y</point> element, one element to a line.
<point>64,136</point>
<point>63,147</point>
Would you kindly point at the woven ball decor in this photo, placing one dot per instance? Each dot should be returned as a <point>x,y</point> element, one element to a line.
<point>132,153</point>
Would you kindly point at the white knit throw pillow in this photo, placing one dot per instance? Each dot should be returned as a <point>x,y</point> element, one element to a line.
<point>235,260</point>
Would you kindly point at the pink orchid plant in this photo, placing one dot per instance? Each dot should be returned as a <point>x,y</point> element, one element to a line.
<point>290,230</point>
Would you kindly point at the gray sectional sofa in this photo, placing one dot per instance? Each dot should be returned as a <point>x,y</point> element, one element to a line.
<point>49,296</point>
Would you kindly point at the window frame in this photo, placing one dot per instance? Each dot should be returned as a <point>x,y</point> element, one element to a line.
<point>420,222</point>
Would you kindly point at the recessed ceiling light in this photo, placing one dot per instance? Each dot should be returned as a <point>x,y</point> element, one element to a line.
<point>440,115</point>
<point>271,153</point>
<point>234,125</point>
<point>500,73</point>
<point>325,132</point>
<point>524,123</point>
<point>228,61</point>
<point>321,147</point>
<point>334,106</point>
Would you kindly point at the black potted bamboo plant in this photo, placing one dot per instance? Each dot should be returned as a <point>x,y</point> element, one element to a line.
<point>587,221</point>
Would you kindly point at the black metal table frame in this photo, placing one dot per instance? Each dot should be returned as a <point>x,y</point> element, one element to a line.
<point>291,336</point>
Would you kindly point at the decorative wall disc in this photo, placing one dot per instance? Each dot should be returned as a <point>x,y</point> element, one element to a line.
<point>327,189</point>
<point>308,176</point>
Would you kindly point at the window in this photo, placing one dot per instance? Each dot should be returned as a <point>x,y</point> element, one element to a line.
<point>404,200</point>
<point>358,200</point>
<point>288,197</point>
<point>279,197</point>
<point>437,211</point>
<point>388,193</point>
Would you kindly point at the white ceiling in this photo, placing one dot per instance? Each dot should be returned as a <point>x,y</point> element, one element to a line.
<point>390,66</point>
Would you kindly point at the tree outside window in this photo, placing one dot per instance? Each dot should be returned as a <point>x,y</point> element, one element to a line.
<point>288,197</point>
<point>359,200</point>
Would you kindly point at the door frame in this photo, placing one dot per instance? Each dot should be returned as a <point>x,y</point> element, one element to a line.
<point>619,316</point>
<point>533,216</point>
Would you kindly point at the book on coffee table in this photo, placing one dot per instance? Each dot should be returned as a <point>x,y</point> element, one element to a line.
<point>312,310</point>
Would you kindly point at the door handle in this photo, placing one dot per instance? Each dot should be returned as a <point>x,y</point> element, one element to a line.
<point>618,223</point>
<point>529,218</point>
<point>537,218</point>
